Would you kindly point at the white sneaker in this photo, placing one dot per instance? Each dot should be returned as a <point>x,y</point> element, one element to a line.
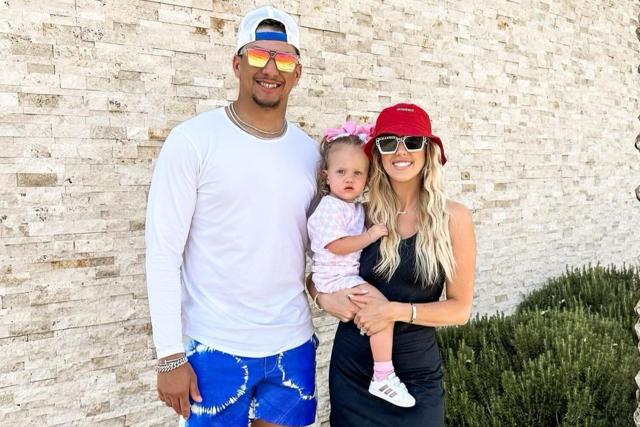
<point>392,390</point>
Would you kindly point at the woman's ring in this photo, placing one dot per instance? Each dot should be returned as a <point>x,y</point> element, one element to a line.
<point>363,331</point>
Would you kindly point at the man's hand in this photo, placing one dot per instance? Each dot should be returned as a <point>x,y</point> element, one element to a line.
<point>175,387</point>
<point>377,231</point>
<point>339,305</point>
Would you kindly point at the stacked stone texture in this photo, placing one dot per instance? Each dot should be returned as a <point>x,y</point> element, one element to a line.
<point>535,102</point>
<point>636,415</point>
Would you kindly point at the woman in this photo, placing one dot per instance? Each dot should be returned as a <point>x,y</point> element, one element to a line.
<point>430,246</point>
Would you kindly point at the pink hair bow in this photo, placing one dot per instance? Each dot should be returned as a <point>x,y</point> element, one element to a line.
<point>349,129</point>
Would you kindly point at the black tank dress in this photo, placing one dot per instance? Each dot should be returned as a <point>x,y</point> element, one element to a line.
<point>416,356</point>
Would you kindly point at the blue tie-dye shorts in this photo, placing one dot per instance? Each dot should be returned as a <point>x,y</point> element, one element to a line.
<point>279,389</point>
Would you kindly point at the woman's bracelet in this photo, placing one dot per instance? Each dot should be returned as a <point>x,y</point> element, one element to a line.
<point>170,365</point>
<point>414,312</point>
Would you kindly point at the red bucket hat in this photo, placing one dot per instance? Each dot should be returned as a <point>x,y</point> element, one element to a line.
<point>403,120</point>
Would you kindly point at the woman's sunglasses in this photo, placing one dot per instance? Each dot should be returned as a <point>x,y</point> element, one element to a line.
<point>388,144</point>
<point>257,57</point>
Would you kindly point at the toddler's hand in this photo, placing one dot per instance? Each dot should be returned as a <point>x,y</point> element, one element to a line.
<point>377,231</point>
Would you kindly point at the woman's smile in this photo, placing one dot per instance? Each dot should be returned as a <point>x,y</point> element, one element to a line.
<point>402,164</point>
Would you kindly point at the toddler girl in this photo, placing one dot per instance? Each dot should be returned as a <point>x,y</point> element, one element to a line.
<point>338,235</point>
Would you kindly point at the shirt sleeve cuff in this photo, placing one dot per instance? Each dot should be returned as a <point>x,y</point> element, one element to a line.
<point>168,351</point>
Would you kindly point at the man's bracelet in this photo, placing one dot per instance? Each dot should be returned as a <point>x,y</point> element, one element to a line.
<point>315,301</point>
<point>170,365</point>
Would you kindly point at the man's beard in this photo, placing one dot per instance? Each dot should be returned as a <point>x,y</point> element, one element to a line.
<point>266,104</point>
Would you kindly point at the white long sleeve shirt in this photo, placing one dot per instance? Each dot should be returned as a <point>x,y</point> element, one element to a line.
<point>226,236</point>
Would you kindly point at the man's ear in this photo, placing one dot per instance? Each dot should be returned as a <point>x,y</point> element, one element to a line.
<point>297,73</point>
<point>235,63</point>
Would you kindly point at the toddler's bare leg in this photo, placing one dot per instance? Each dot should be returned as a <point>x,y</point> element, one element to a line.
<point>382,344</point>
<point>385,384</point>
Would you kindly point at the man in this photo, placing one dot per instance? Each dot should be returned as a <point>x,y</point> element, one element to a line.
<point>226,236</point>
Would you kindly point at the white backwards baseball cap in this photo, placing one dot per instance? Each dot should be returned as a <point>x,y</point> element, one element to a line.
<point>249,24</point>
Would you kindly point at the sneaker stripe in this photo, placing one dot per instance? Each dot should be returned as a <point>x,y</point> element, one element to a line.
<point>392,390</point>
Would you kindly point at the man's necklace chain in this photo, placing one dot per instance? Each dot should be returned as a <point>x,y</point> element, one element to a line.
<point>246,126</point>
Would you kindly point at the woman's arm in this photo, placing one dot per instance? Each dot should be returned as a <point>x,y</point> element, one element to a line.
<point>456,309</point>
<point>375,314</point>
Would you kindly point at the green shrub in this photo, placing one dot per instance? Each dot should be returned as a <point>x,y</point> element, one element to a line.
<point>609,291</point>
<point>555,363</point>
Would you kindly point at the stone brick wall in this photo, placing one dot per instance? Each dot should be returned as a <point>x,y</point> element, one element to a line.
<point>636,415</point>
<point>535,102</point>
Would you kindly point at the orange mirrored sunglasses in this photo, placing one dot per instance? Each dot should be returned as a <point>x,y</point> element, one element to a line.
<point>257,57</point>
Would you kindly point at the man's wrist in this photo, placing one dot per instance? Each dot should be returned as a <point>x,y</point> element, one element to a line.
<point>170,357</point>
<point>316,303</point>
<point>171,362</point>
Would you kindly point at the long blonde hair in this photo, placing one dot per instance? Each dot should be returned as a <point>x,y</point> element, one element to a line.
<point>434,252</point>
